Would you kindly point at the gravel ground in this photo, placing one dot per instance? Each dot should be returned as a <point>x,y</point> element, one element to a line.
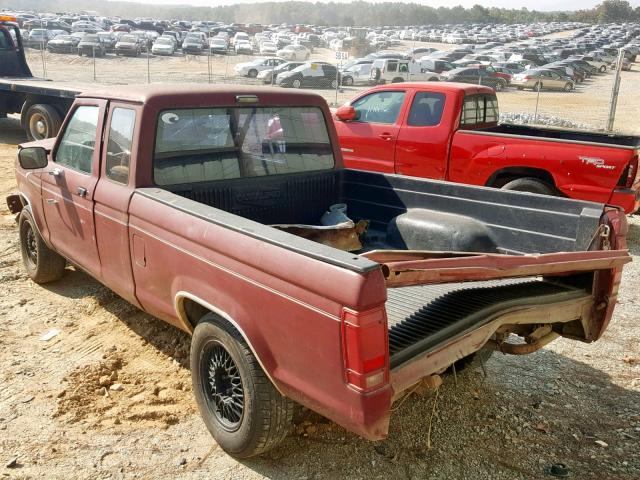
<point>61,414</point>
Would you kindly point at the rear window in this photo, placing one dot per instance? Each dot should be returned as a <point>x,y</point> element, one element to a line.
<point>208,144</point>
<point>479,109</point>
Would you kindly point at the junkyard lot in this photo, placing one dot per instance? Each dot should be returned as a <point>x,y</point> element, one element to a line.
<point>524,415</point>
<point>588,104</point>
<point>521,417</point>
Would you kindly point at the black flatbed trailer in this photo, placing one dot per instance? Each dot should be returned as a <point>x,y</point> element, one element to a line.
<point>41,103</point>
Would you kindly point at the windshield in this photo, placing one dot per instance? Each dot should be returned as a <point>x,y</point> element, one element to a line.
<point>128,39</point>
<point>207,144</point>
<point>164,41</point>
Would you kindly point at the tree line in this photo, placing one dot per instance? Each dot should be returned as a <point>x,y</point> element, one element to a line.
<point>358,13</point>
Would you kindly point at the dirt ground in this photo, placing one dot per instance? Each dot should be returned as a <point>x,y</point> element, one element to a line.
<point>109,395</point>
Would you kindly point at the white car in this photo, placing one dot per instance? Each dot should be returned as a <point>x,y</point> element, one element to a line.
<point>251,69</point>
<point>163,46</point>
<point>240,36</point>
<point>243,46</point>
<point>268,48</point>
<point>294,52</point>
<point>358,74</point>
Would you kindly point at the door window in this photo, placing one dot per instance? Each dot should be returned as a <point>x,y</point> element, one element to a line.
<point>78,142</point>
<point>119,144</point>
<point>392,66</point>
<point>426,109</point>
<point>380,107</point>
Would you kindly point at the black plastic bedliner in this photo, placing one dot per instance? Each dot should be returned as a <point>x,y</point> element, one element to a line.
<point>421,317</point>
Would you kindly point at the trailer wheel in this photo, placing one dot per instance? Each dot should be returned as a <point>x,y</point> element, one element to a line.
<point>531,185</point>
<point>43,265</point>
<point>42,121</point>
<point>242,409</point>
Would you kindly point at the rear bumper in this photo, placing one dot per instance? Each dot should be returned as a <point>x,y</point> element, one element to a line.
<point>626,198</point>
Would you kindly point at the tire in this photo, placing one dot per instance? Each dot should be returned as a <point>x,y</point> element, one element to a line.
<point>262,417</point>
<point>499,86</point>
<point>603,68</point>
<point>347,81</point>
<point>334,84</point>
<point>296,83</point>
<point>42,121</point>
<point>568,87</point>
<point>42,264</point>
<point>253,73</point>
<point>531,185</point>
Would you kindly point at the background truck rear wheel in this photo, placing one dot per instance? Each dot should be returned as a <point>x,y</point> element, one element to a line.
<point>42,264</point>
<point>42,121</point>
<point>531,185</point>
<point>242,409</point>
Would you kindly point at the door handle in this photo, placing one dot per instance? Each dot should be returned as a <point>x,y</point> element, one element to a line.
<point>386,136</point>
<point>56,172</point>
<point>82,192</point>
<point>52,201</point>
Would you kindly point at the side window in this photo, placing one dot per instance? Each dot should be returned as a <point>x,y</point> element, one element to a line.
<point>123,121</point>
<point>380,107</point>
<point>78,142</point>
<point>392,66</point>
<point>479,109</point>
<point>404,67</point>
<point>426,109</point>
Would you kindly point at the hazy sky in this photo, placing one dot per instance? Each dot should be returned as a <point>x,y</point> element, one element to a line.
<point>537,4</point>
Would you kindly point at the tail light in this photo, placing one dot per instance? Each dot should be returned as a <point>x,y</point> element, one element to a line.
<point>528,77</point>
<point>365,348</point>
<point>632,171</point>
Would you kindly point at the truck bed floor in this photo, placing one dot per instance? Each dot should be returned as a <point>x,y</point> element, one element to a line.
<point>421,317</point>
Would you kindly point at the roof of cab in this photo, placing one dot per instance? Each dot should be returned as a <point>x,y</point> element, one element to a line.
<point>441,87</point>
<point>203,94</point>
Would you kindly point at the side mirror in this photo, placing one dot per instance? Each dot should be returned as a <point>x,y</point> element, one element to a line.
<point>346,113</point>
<point>32,158</point>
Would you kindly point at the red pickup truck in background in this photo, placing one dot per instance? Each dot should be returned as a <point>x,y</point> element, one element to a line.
<point>450,131</point>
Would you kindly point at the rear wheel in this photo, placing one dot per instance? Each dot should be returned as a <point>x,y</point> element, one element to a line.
<point>531,185</point>
<point>603,68</point>
<point>499,86</point>
<point>296,83</point>
<point>41,263</point>
<point>348,81</point>
<point>568,87</point>
<point>242,409</point>
<point>42,121</point>
<point>253,73</point>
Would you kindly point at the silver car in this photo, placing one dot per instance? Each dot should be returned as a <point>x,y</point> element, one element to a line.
<point>542,79</point>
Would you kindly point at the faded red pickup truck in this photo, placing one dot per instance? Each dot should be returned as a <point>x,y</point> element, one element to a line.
<point>185,202</point>
<point>449,131</point>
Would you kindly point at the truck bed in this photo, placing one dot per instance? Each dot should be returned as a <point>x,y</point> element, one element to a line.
<point>42,86</point>
<point>564,136</point>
